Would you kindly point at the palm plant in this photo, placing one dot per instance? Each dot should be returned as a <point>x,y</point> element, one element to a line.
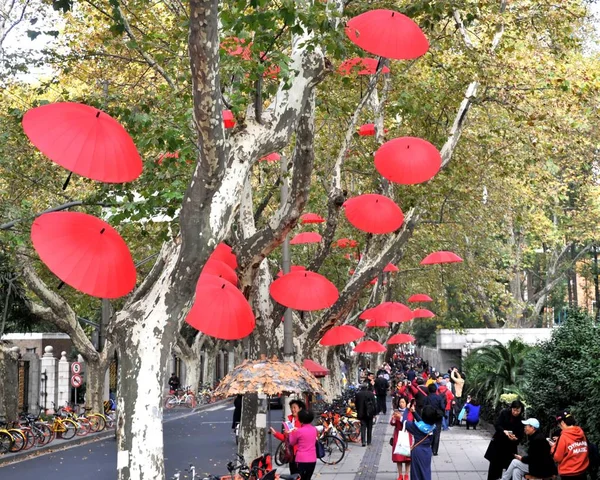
<point>495,369</point>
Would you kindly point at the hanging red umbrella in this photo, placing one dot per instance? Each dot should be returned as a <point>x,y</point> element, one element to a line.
<point>420,297</point>
<point>441,257</point>
<point>367,129</point>
<point>346,243</point>
<point>220,310</point>
<point>220,269</point>
<point>84,140</point>
<point>314,368</point>
<point>423,313</point>
<point>360,66</point>
<point>224,253</point>
<point>377,323</point>
<point>271,157</point>
<point>228,119</point>
<point>369,346</point>
<point>401,338</point>
<point>408,160</point>
<point>304,291</point>
<point>387,34</point>
<point>390,267</point>
<point>306,237</point>
<point>373,213</point>
<point>388,311</point>
<point>237,47</point>
<point>293,268</point>
<point>341,335</point>
<point>85,253</point>
<point>311,218</point>
<point>374,281</point>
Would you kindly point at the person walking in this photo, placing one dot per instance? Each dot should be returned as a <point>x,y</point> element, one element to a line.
<point>438,403</point>
<point>538,462</point>
<point>381,388</point>
<point>503,446</point>
<point>422,431</point>
<point>304,440</point>
<point>296,406</point>
<point>570,451</point>
<point>366,409</point>
<point>402,462</point>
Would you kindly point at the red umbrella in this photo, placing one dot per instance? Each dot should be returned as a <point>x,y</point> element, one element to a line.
<point>220,269</point>
<point>374,213</point>
<point>390,267</point>
<point>387,34</point>
<point>423,313</point>
<point>314,368</point>
<point>366,129</point>
<point>408,160</point>
<point>220,310</point>
<point>341,335</point>
<point>228,119</point>
<point>377,323</point>
<point>420,297</point>
<point>388,311</point>
<point>84,140</point>
<point>237,47</point>
<point>85,253</point>
<point>271,157</point>
<point>311,218</point>
<point>346,243</point>
<point>293,268</point>
<point>224,253</point>
<point>401,338</point>
<point>369,346</point>
<point>441,257</point>
<point>306,237</point>
<point>360,66</point>
<point>304,291</point>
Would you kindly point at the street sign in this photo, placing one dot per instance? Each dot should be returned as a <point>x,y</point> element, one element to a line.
<point>76,381</point>
<point>75,368</point>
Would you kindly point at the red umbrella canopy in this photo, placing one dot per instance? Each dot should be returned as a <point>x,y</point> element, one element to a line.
<point>420,297</point>
<point>237,47</point>
<point>304,291</point>
<point>390,267</point>
<point>220,310</point>
<point>293,268</point>
<point>366,129</point>
<point>388,311</point>
<point>85,253</point>
<point>306,237</point>
<point>220,269</point>
<point>360,66</point>
<point>377,323</point>
<point>373,213</point>
<point>401,338</point>
<point>346,243</point>
<point>271,157</point>
<point>84,140</point>
<point>224,253</point>
<point>228,119</point>
<point>314,368</point>
<point>311,218</point>
<point>441,257</point>
<point>423,313</point>
<point>369,346</point>
<point>387,34</point>
<point>341,335</point>
<point>408,160</point>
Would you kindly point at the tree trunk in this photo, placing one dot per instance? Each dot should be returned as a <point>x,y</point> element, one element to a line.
<point>253,431</point>
<point>94,388</point>
<point>574,276</point>
<point>8,383</point>
<point>596,285</point>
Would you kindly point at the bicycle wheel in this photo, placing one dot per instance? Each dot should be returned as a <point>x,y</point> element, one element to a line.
<point>83,425</point>
<point>280,454</point>
<point>44,434</point>
<point>190,401</point>
<point>335,449</point>
<point>6,442</point>
<point>30,438</point>
<point>353,431</point>
<point>170,401</point>
<point>97,422</point>
<point>70,429</point>
<point>19,440</point>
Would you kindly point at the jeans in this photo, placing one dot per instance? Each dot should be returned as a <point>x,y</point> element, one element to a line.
<point>435,441</point>
<point>516,470</point>
<point>445,421</point>
<point>306,470</point>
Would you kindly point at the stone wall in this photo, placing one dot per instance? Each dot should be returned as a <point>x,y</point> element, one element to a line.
<point>442,360</point>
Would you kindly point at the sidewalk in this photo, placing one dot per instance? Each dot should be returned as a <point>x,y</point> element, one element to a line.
<point>460,457</point>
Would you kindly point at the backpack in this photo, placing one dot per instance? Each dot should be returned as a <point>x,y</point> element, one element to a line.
<point>370,407</point>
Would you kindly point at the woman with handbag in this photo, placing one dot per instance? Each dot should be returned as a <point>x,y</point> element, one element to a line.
<point>295,406</point>
<point>422,431</point>
<point>402,461</point>
<point>503,446</point>
<point>304,439</point>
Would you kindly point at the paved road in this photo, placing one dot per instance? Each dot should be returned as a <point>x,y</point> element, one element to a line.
<point>203,439</point>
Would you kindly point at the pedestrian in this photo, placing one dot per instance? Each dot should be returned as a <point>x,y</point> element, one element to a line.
<point>570,450</point>
<point>366,409</point>
<point>237,411</point>
<point>296,406</point>
<point>381,388</point>
<point>438,403</point>
<point>402,462</point>
<point>538,462</point>
<point>444,392</point>
<point>503,446</point>
<point>174,383</point>
<point>472,410</point>
<point>458,381</point>
<point>420,393</point>
<point>304,440</point>
<point>422,431</point>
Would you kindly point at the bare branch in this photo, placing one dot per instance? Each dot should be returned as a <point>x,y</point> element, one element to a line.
<point>461,27</point>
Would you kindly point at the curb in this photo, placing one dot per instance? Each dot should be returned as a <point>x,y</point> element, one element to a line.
<point>94,437</point>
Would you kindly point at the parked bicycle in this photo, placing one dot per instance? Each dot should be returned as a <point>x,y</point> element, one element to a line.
<point>183,397</point>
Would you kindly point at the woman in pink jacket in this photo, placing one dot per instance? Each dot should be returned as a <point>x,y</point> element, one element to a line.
<point>305,439</point>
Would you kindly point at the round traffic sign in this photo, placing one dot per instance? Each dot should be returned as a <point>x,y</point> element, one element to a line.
<point>76,381</point>
<point>75,368</point>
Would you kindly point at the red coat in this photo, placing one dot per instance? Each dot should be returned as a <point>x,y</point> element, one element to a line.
<point>445,392</point>
<point>397,427</point>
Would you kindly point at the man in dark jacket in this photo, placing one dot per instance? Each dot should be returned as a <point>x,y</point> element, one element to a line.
<point>538,462</point>
<point>381,388</point>
<point>419,391</point>
<point>439,404</point>
<point>365,411</point>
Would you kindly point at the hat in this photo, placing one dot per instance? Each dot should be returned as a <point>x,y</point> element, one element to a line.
<point>532,422</point>
<point>562,414</point>
<point>446,376</point>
